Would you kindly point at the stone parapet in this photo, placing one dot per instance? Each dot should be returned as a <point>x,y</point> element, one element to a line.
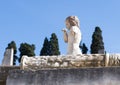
<point>70,61</point>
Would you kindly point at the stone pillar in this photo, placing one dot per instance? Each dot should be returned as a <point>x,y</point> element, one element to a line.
<point>8,57</point>
<point>107,59</point>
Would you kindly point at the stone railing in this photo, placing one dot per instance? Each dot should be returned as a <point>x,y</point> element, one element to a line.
<point>70,61</point>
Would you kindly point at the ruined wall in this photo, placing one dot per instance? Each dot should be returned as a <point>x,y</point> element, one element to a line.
<point>69,61</point>
<point>4,70</point>
<point>73,76</point>
<point>95,69</point>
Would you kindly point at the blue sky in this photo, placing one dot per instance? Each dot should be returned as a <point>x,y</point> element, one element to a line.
<point>32,20</point>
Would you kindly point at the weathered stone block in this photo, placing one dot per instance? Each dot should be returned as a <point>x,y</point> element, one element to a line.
<point>71,76</point>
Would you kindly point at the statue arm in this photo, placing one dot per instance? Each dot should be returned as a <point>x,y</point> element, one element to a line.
<point>65,36</point>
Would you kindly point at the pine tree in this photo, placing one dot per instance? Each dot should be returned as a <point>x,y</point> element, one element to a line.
<point>84,49</point>
<point>11,45</point>
<point>45,49</point>
<point>54,46</point>
<point>26,49</point>
<point>97,41</point>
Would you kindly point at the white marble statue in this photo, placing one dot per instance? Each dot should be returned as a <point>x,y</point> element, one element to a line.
<point>73,35</point>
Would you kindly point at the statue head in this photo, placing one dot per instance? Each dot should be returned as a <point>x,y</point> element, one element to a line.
<point>72,21</point>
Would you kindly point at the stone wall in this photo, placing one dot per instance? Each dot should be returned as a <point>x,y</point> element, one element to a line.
<point>67,61</point>
<point>73,76</point>
<point>4,73</point>
<point>70,61</point>
<point>95,69</point>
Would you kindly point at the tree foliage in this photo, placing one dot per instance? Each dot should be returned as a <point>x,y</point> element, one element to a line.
<point>45,48</point>
<point>84,49</point>
<point>50,47</point>
<point>97,41</point>
<point>26,49</point>
<point>11,45</point>
<point>54,46</point>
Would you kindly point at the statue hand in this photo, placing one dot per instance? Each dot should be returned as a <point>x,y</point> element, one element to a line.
<point>64,30</point>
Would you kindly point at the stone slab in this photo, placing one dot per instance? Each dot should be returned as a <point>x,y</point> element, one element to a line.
<point>71,76</point>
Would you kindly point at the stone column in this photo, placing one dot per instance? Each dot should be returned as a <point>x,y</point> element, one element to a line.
<point>8,57</point>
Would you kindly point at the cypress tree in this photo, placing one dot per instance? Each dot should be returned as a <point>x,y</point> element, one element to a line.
<point>97,41</point>
<point>45,49</point>
<point>84,49</point>
<point>53,45</point>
